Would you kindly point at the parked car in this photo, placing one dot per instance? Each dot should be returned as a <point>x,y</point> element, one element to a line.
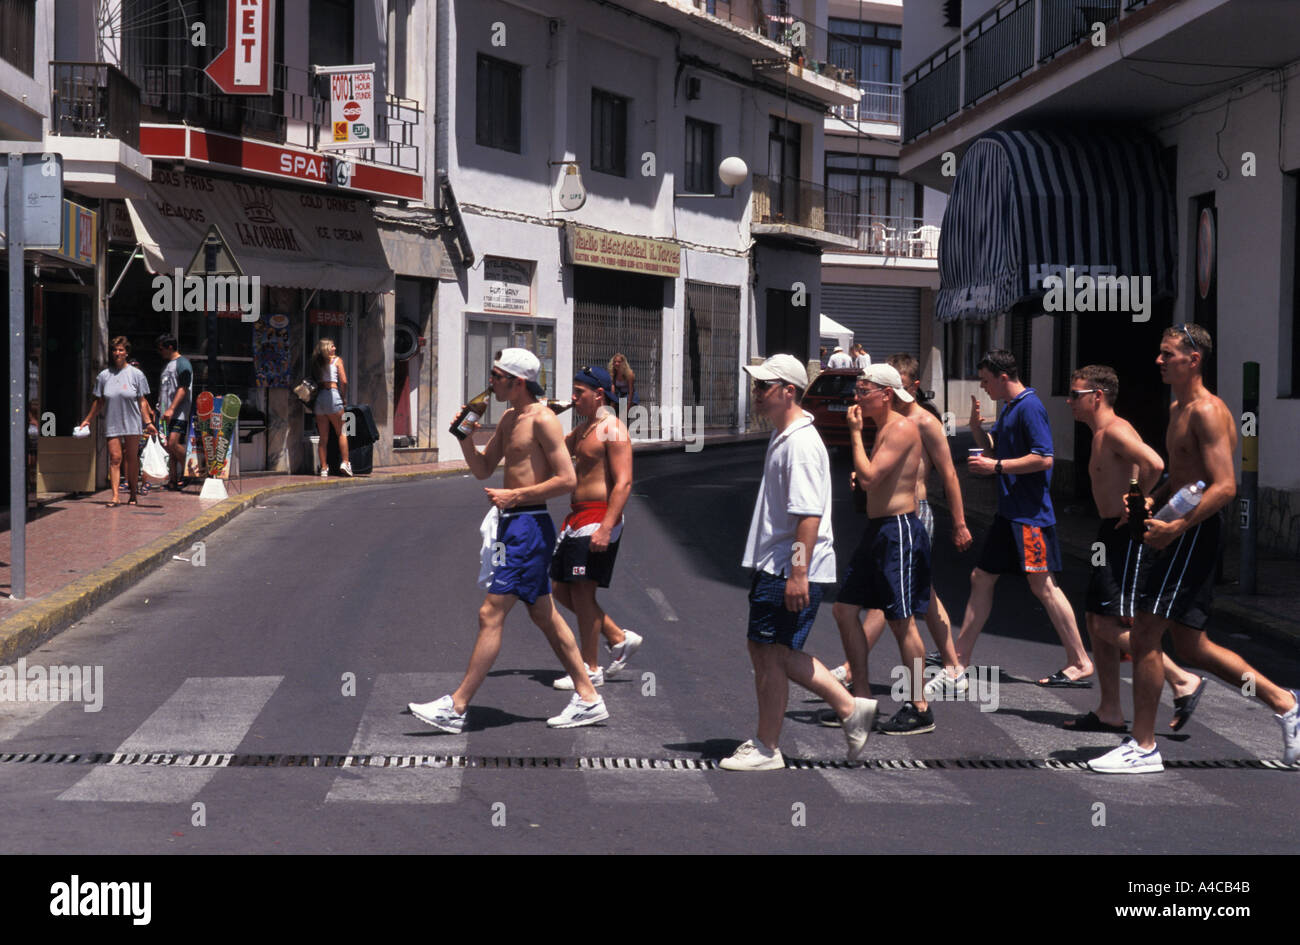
<point>828,399</point>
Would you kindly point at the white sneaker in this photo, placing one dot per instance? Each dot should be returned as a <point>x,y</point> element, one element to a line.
<point>944,686</point>
<point>1128,758</point>
<point>858,726</point>
<point>841,674</point>
<point>345,468</point>
<point>619,655</point>
<point>1291,732</point>
<point>440,714</point>
<point>566,682</point>
<point>578,713</point>
<point>753,756</point>
<point>324,472</point>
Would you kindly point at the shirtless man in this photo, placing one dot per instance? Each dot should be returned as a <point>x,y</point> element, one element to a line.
<point>1201,439</point>
<point>1118,457</point>
<point>584,558</point>
<point>937,455</point>
<point>531,440</point>
<point>890,570</point>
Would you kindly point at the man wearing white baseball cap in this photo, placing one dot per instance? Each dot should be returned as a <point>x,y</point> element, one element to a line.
<point>531,440</point>
<point>890,570</point>
<point>792,550</point>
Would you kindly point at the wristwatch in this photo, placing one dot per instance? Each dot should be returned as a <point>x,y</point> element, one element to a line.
<point>997,467</point>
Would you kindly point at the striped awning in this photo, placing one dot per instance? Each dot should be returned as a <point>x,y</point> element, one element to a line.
<point>1030,204</point>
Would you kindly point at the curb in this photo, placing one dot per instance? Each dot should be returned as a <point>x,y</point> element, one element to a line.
<point>1251,621</point>
<point>32,626</point>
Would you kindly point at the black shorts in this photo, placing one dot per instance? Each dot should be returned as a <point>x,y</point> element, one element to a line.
<point>1180,585</point>
<point>1115,586</point>
<point>575,561</point>
<point>1014,546</point>
<point>890,569</point>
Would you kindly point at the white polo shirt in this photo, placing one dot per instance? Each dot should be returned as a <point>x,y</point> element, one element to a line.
<point>839,360</point>
<point>796,483</point>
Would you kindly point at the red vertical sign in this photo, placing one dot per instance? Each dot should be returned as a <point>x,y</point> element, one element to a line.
<point>244,67</point>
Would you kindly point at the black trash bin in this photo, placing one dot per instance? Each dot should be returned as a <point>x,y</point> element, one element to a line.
<point>361,443</point>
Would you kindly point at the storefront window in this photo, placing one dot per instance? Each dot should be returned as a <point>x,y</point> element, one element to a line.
<point>485,336</point>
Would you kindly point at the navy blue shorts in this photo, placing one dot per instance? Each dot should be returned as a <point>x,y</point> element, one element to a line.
<point>1180,585</point>
<point>770,622</point>
<point>890,570</point>
<point>1115,585</point>
<point>1014,546</point>
<point>528,535</point>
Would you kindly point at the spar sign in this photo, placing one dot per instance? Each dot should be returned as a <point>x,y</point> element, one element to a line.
<point>352,106</point>
<point>244,66</point>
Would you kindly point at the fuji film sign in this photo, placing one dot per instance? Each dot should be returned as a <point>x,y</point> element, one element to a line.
<point>244,66</point>
<point>352,106</point>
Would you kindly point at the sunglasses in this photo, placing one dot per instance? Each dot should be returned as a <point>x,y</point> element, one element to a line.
<point>1190,340</point>
<point>864,391</point>
<point>1076,394</point>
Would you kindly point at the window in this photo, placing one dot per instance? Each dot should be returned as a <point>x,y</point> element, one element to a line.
<point>701,165</point>
<point>329,33</point>
<point>608,133</point>
<point>968,342</point>
<point>874,51</point>
<point>18,34</point>
<point>882,195</point>
<point>500,86</point>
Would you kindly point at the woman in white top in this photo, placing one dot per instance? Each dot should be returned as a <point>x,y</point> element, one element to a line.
<point>122,392</point>
<point>328,368</point>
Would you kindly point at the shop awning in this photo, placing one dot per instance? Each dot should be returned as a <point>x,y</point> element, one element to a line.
<point>1030,204</point>
<point>287,238</point>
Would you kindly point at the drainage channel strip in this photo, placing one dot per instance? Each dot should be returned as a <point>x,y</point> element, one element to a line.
<point>232,760</point>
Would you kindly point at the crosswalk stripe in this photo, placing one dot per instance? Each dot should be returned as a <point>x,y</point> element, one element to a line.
<point>647,787</point>
<point>1165,788</point>
<point>387,729</point>
<point>16,716</point>
<point>207,714</point>
<point>875,786</point>
<point>1241,721</point>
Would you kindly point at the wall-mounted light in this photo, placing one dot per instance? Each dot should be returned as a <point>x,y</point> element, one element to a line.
<point>572,193</point>
<point>732,172</point>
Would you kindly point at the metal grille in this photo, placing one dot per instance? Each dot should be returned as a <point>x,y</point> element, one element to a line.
<point>1001,50</point>
<point>601,330</point>
<point>711,361</point>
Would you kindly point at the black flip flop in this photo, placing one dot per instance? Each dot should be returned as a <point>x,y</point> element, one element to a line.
<point>1090,723</point>
<point>1058,680</point>
<point>1184,706</point>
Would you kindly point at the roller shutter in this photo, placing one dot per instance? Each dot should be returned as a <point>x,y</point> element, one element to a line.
<point>885,319</point>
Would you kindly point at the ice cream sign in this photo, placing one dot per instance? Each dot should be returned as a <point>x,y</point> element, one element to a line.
<point>352,106</point>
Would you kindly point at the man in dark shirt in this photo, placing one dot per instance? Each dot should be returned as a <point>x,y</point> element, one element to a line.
<point>1023,534</point>
<point>174,399</point>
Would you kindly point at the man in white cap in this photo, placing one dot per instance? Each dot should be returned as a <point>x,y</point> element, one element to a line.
<point>531,440</point>
<point>890,570</point>
<point>792,550</point>
<point>839,359</point>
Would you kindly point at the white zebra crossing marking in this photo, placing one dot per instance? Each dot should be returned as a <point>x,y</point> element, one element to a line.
<point>880,786</point>
<point>203,714</point>
<point>647,786</point>
<point>16,716</point>
<point>386,729</point>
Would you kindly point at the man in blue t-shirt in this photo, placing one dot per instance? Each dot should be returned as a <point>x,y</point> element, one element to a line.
<point>1023,534</point>
<point>175,397</point>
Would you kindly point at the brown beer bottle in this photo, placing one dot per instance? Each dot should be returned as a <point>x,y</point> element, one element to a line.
<point>1137,510</point>
<point>559,406</point>
<point>859,497</point>
<point>460,427</point>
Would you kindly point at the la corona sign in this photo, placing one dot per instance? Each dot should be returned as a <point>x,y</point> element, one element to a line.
<point>244,66</point>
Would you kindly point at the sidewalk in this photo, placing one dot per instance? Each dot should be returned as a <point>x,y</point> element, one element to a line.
<point>1274,612</point>
<point>81,553</point>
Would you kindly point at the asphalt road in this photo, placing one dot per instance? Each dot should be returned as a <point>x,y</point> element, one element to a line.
<point>289,656</point>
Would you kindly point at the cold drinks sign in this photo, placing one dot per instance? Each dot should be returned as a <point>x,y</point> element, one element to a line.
<point>352,106</point>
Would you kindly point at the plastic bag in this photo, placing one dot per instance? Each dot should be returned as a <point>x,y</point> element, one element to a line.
<point>155,462</point>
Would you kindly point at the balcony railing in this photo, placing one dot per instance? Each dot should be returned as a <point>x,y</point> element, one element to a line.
<point>905,237</point>
<point>782,22</point>
<point>1009,42</point>
<point>93,100</point>
<point>792,202</point>
<point>881,101</point>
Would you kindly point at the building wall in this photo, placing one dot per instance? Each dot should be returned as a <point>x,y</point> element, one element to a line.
<point>24,99</point>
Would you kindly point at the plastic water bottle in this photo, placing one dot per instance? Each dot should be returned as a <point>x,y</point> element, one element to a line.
<point>1186,499</point>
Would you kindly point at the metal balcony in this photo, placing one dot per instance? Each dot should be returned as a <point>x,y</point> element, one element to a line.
<point>93,100</point>
<point>881,101</point>
<point>804,210</point>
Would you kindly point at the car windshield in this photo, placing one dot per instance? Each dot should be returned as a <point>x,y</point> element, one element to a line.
<point>833,385</point>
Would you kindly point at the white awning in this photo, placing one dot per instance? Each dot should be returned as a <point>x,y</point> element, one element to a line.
<point>288,239</point>
<point>832,329</point>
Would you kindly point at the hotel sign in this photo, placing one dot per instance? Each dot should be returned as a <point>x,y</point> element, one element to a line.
<point>589,247</point>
